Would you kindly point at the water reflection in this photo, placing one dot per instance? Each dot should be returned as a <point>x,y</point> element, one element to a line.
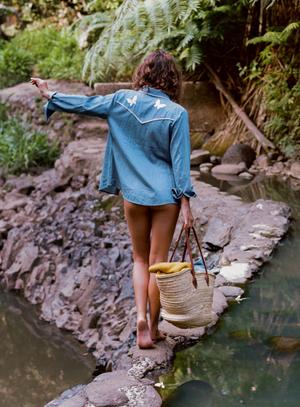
<point>253,358</point>
<point>37,362</point>
<point>194,393</point>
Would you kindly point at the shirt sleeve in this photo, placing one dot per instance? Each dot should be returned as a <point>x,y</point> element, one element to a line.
<point>180,156</point>
<point>98,106</point>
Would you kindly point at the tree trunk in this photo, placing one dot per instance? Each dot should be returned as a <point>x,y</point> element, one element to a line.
<point>265,143</point>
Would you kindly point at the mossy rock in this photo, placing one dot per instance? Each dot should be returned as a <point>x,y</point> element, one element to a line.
<point>217,146</point>
<point>284,343</point>
<point>198,139</point>
<point>245,335</point>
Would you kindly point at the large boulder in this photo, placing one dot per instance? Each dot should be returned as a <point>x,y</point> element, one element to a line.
<point>239,153</point>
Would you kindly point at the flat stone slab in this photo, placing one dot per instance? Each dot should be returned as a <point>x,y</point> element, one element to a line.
<point>229,169</point>
<point>120,388</point>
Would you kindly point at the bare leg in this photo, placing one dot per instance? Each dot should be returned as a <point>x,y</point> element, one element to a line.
<point>164,219</point>
<point>138,219</point>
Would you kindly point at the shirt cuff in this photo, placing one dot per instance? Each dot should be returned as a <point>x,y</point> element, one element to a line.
<point>177,193</point>
<point>51,93</point>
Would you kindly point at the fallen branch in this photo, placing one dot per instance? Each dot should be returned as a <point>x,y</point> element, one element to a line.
<point>265,143</point>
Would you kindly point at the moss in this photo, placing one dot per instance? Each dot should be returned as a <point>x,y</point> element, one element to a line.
<point>198,139</point>
<point>219,146</point>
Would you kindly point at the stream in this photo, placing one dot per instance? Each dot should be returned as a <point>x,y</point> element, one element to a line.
<point>38,362</point>
<point>253,357</point>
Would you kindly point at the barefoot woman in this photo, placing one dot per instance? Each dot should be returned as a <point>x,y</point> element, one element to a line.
<point>147,158</point>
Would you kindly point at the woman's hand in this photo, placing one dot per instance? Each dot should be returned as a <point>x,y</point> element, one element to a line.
<point>188,219</point>
<point>42,85</point>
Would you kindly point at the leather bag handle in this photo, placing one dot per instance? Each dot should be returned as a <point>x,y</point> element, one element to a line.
<point>188,247</point>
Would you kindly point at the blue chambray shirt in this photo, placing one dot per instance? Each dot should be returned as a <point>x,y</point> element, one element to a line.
<point>147,155</point>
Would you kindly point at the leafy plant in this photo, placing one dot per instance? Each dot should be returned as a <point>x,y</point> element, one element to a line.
<point>54,52</point>
<point>15,66</point>
<point>21,146</point>
<point>189,29</point>
<point>277,75</point>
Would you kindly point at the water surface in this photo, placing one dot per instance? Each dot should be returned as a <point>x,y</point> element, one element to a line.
<point>37,361</point>
<point>246,361</point>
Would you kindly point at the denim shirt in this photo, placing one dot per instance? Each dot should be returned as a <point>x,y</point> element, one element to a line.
<point>147,155</point>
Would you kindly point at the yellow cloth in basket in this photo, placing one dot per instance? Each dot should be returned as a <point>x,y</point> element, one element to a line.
<point>168,268</point>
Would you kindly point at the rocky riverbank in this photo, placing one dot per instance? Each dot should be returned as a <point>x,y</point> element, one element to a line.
<point>66,246</point>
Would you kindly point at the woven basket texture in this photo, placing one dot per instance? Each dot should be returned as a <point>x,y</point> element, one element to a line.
<point>183,305</point>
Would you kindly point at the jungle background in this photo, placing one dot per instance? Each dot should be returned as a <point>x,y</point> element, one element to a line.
<point>251,47</point>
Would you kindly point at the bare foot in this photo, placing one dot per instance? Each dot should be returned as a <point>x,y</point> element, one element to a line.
<point>156,335</point>
<point>143,335</point>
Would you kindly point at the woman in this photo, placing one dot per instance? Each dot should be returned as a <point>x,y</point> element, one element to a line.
<point>147,157</point>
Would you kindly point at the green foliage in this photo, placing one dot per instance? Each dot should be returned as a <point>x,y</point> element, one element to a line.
<point>189,29</point>
<point>64,61</point>
<point>15,66</point>
<point>55,53</point>
<point>21,146</point>
<point>277,74</point>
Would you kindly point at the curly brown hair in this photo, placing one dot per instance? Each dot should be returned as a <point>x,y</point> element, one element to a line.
<point>159,71</point>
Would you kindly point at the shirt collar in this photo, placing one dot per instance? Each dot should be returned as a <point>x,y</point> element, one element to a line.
<point>155,92</point>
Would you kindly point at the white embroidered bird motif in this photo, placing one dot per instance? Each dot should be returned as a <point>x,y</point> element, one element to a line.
<point>132,101</point>
<point>159,105</point>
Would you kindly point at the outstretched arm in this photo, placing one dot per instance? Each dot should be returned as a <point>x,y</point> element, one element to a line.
<point>97,106</point>
<point>42,86</point>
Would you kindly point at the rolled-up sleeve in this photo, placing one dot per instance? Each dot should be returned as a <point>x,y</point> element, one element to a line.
<point>180,156</point>
<point>98,106</point>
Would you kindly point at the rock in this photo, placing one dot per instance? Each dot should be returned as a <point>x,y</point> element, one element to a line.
<point>204,219</point>
<point>81,155</point>
<point>105,390</point>
<point>69,321</point>
<point>24,186</point>
<point>230,291</point>
<point>219,302</point>
<point>218,234</point>
<point>278,167</point>
<point>295,170</point>
<point>127,331</point>
<point>14,200</point>
<point>68,395</point>
<point>204,169</point>
<point>12,246</point>
<point>199,157</point>
<point>11,275</point>
<point>245,175</point>
<point>263,161</point>
<point>206,165</point>
<point>236,272</point>
<point>273,156</point>
<point>28,258</point>
<point>75,401</point>
<point>58,125</point>
<point>229,169</point>
<point>239,153</point>
<point>215,160</point>
<point>253,170</point>
<point>284,343</point>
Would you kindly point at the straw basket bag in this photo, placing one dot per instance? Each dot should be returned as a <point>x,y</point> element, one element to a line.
<point>186,296</point>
